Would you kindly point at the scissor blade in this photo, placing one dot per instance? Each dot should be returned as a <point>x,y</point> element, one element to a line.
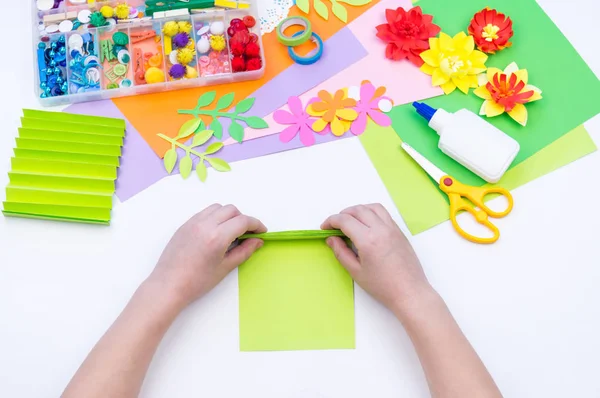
<point>429,167</point>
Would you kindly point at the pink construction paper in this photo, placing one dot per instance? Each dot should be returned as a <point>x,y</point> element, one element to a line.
<point>403,80</point>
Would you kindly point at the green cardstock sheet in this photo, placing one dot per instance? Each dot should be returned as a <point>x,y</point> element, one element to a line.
<point>421,203</point>
<point>65,167</point>
<point>567,83</point>
<point>294,295</point>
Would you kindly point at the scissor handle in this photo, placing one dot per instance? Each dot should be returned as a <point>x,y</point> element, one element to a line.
<point>477,195</point>
<point>457,204</point>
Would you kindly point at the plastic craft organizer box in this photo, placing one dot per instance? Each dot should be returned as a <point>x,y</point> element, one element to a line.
<point>103,33</point>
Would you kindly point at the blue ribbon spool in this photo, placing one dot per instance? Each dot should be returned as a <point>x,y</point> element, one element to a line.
<point>312,56</point>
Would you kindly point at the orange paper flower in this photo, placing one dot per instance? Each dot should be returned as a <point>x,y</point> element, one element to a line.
<point>334,111</point>
<point>491,30</point>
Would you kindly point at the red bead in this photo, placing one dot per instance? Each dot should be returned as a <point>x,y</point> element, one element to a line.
<point>235,21</point>
<point>231,31</point>
<point>253,64</point>
<point>249,21</point>
<point>252,50</point>
<point>241,37</point>
<point>253,38</point>
<point>238,64</point>
<point>237,48</point>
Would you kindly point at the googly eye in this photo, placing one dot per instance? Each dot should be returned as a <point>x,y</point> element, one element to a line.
<point>124,57</point>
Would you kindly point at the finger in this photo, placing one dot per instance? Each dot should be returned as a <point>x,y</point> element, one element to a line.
<point>239,225</point>
<point>363,214</point>
<point>241,253</point>
<point>344,254</point>
<point>225,213</point>
<point>349,225</point>
<point>382,212</point>
<point>208,211</point>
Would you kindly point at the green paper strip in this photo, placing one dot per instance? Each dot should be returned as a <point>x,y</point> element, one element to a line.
<point>42,134</point>
<point>294,295</point>
<point>50,218</point>
<point>422,205</point>
<point>40,196</point>
<point>71,127</point>
<point>58,168</point>
<point>74,118</point>
<point>295,235</point>
<point>568,84</point>
<point>68,184</point>
<point>70,147</point>
<point>61,213</point>
<point>67,157</point>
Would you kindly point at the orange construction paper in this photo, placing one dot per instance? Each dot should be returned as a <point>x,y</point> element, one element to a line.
<point>157,113</point>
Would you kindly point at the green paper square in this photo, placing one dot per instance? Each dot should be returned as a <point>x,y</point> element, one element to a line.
<point>294,295</point>
<point>567,83</point>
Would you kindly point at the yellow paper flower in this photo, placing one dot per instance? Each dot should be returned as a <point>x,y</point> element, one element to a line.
<point>453,62</point>
<point>335,111</point>
<point>506,91</point>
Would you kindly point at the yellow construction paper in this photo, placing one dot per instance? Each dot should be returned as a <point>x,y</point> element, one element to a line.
<point>422,205</point>
<point>294,295</point>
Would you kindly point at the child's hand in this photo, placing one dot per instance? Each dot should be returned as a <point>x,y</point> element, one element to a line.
<point>196,258</point>
<point>386,266</point>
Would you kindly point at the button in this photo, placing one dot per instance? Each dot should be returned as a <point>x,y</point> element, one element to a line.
<point>385,105</point>
<point>249,21</point>
<point>52,28</point>
<point>75,41</point>
<point>45,5</point>
<point>120,70</point>
<point>126,83</point>
<point>84,16</point>
<point>203,30</point>
<point>65,26</point>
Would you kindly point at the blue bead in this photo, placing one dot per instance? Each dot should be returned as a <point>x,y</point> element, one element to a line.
<point>43,85</point>
<point>48,90</point>
<point>63,50</point>
<point>53,45</point>
<point>65,87</point>
<point>59,80</point>
<point>57,71</point>
<point>61,39</point>
<point>43,95</point>
<point>42,45</point>
<point>52,53</point>
<point>52,63</point>
<point>63,63</point>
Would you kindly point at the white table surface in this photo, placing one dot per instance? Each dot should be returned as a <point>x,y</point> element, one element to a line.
<point>529,304</point>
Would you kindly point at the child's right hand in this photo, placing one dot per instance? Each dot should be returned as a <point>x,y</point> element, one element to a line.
<point>386,265</point>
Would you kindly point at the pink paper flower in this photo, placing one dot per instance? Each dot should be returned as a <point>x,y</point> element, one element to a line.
<point>299,121</point>
<point>367,106</point>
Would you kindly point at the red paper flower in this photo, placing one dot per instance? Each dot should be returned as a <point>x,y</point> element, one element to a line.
<point>407,34</point>
<point>491,30</point>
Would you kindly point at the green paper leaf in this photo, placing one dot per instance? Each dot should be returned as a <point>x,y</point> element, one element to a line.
<point>236,131</point>
<point>169,160</point>
<point>303,5</point>
<point>202,137</point>
<point>225,101</point>
<point>217,128</point>
<point>213,148</point>
<point>358,3</point>
<point>185,166</point>
<point>256,122</point>
<point>219,164</point>
<point>339,11</point>
<point>244,105</point>
<point>321,9</point>
<point>206,99</point>
<point>201,171</point>
<point>188,128</point>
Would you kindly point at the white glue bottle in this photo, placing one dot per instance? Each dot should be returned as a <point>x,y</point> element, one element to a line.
<point>471,141</point>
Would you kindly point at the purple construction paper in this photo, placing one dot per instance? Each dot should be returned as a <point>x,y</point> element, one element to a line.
<point>140,167</point>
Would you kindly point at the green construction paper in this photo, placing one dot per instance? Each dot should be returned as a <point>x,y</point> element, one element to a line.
<point>294,295</point>
<point>295,235</point>
<point>53,125</point>
<point>60,183</point>
<point>46,197</point>
<point>42,134</point>
<point>73,118</point>
<point>67,157</point>
<point>69,147</point>
<point>58,168</point>
<point>567,83</point>
<point>59,213</point>
<point>422,205</point>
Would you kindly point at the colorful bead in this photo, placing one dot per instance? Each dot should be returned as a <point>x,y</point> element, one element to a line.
<point>249,21</point>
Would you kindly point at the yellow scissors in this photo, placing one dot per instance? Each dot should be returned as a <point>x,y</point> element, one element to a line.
<point>457,193</point>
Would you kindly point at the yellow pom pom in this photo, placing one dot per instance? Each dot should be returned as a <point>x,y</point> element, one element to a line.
<point>185,26</point>
<point>190,73</point>
<point>185,56</point>
<point>170,28</point>
<point>107,12</point>
<point>154,75</point>
<point>217,43</point>
<point>122,11</point>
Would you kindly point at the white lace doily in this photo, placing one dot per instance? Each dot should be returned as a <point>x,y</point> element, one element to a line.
<point>271,12</point>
